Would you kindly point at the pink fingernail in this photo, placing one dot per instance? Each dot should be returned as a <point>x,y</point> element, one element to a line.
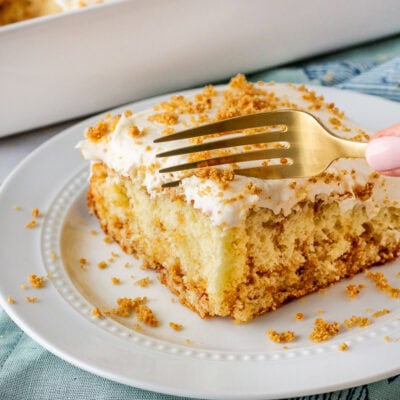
<point>383,153</point>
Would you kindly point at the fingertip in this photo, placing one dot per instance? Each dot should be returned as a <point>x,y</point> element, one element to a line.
<point>393,130</point>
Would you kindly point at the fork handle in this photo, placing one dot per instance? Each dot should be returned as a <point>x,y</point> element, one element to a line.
<point>350,149</point>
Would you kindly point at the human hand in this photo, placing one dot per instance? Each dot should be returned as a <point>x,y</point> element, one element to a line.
<point>383,151</point>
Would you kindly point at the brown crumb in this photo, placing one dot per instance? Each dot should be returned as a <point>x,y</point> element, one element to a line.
<point>137,327</point>
<point>23,286</point>
<point>324,330</point>
<point>83,261</point>
<point>145,314</point>
<point>357,321</point>
<point>144,282</point>
<point>11,300</point>
<point>96,312</point>
<point>94,232</point>
<point>31,299</point>
<point>353,290</point>
<point>128,113</point>
<point>379,313</point>
<point>108,239</point>
<point>126,306</point>
<point>319,311</point>
<point>35,212</point>
<point>36,282</point>
<point>299,316</point>
<point>322,290</point>
<point>387,338</point>
<point>31,224</point>
<point>102,264</point>
<point>127,265</point>
<point>53,255</point>
<point>17,208</point>
<point>343,346</point>
<point>382,284</point>
<point>176,327</point>
<point>281,337</point>
<point>115,280</point>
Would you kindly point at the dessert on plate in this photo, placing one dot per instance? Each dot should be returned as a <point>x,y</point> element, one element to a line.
<point>229,245</point>
<point>19,10</point>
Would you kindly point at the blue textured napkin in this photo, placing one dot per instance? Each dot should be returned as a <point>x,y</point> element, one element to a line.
<point>28,372</point>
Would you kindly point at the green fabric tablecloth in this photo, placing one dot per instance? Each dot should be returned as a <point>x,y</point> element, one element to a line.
<point>27,371</point>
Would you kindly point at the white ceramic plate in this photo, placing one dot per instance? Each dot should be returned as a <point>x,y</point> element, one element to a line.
<point>208,358</point>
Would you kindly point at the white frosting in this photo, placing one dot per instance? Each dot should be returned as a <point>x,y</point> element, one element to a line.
<point>124,154</point>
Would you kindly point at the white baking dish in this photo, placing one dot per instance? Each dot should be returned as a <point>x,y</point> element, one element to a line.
<point>67,65</point>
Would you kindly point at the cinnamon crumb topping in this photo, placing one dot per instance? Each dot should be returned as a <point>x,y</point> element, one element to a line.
<point>253,189</point>
<point>357,321</point>
<point>31,224</point>
<point>145,314</point>
<point>135,132</point>
<point>115,280</point>
<point>221,176</point>
<point>31,299</point>
<point>299,316</point>
<point>102,264</point>
<point>175,326</point>
<point>108,240</point>
<point>96,313</point>
<point>382,284</point>
<point>102,128</point>
<point>126,306</point>
<point>281,337</point>
<point>324,330</point>
<point>128,113</point>
<point>144,282</point>
<point>353,290</point>
<point>35,212</point>
<point>379,313</point>
<point>363,193</point>
<point>10,300</point>
<point>137,327</point>
<point>343,346</point>
<point>166,118</point>
<point>36,282</point>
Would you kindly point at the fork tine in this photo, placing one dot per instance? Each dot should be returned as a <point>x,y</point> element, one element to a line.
<point>234,158</point>
<point>272,172</point>
<point>268,172</point>
<point>264,137</point>
<point>279,117</point>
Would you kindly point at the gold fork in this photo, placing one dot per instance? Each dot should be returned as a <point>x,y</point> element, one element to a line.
<point>309,146</point>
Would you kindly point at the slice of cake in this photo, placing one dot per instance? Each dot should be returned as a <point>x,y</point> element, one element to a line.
<point>229,245</point>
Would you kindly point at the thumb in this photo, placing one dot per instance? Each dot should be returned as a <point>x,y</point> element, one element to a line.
<point>383,151</point>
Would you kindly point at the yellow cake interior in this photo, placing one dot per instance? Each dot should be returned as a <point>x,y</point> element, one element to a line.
<point>249,269</point>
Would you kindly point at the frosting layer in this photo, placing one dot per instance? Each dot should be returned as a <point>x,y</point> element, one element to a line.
<point>125,144</point>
